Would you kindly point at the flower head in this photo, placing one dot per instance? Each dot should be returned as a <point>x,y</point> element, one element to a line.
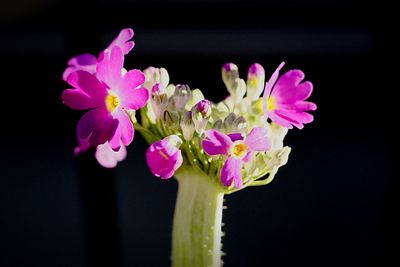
<point>238,149</point>
<point>284,99</point>
<point>108,95</point>
<point>164,156</point>
<point>187,126</point>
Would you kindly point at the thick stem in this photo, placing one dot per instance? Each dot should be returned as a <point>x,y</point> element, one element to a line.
<point>196,239</point>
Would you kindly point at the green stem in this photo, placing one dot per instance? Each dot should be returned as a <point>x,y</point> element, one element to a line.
<point>196,235</point>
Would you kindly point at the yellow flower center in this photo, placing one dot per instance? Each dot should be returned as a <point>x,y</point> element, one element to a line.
<point>112,102</point>
<point>271,104</point>
<point>239,149</point>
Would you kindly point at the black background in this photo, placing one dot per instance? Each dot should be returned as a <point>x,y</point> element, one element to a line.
<point>331,205</point>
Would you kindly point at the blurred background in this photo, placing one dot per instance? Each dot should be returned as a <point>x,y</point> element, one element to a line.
<point>333,204</point>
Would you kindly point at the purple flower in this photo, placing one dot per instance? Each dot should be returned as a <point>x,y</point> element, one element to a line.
<point>238,150</point>
<point>284,100</point>
<point>87,62</point>
<point>108,95</point>
<point>164,156</point>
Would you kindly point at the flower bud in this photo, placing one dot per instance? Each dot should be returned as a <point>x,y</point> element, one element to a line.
<point>201,113</point>
<point>234,124</point>
<point>230,73</point>
<point>235,85</point>
<point>181,96</point>
<point>164,156</point>
<point>187,126</point>
<point>156,75</point>
<point>255,81</point>
<point>159,100</point>
<point>195,97</point>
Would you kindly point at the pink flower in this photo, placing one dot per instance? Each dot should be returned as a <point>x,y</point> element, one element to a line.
<point>283,101</point>
<point>108,94</point>
<point>238,150</point>
<point>87,62</point>
<point>164,156</point>
<point>107,157</point>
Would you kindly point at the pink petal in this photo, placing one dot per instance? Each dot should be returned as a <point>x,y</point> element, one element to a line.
<point>304,90</point>
<point>289,118</point>
<point>216,143</point>
<point>271,81</point>
<point>231,171</point>
<point>178,160</point>
<point>294,113</point>
<point>258,140</point>
<point>123,41</point>
<point>134,98</point>
<point>248,157</point>
<point>124,131</point>
<point>305,106</point>
<point>295,118</point>
<point>270,84</point>
<point>109,67</point>
<point>77,99</point>
<point>83,146</point>
<point>85,62</point>
<point>89,84</point>
<point>279,120</point>
<point>235,136</point>
<point>163,159</point>
<point>288,88</point>
<point>132,79</point>
<point>107,157</point>
<point>97,125</point>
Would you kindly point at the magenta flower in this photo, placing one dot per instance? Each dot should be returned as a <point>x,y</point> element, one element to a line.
<point>238,150</point>
<point>283,101</point>
<point>107,157</point>
<point>108,94</point>
<point>87,62</point>
<point>164,156</point>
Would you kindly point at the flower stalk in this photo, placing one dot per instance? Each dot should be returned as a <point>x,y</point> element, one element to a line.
<point>196,235</point>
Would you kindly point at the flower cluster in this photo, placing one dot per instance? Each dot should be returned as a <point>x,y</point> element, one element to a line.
<point>237,142</point>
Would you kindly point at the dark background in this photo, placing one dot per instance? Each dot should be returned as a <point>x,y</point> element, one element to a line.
<point>331,205</point>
